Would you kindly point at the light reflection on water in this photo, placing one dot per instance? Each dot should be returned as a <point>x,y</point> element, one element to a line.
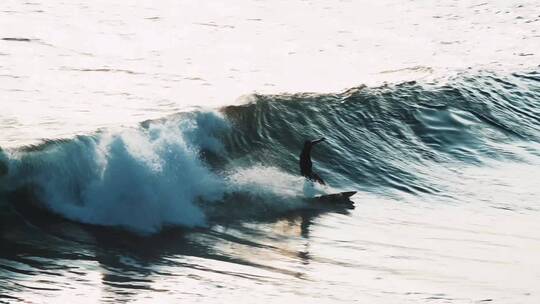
<point>72,68</point>
<point>473,242</point>
<point>383,251</point>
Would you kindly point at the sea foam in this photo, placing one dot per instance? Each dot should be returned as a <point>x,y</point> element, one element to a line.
<point>141,179</point>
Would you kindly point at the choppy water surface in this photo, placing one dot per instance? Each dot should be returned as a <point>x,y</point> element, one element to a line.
<point>150,152</point>
<point>72,67</point>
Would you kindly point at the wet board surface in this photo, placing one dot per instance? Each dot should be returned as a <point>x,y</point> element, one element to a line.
<point>335,198</point>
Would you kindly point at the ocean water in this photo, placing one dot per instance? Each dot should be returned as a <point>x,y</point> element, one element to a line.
<point>149,151</point>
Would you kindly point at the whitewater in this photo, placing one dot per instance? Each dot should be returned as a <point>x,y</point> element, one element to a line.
<point>149,151</point>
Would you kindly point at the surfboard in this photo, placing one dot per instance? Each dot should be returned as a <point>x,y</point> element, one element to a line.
<point>335,198</point>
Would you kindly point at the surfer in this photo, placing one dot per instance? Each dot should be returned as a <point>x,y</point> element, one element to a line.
<point>305,161</point>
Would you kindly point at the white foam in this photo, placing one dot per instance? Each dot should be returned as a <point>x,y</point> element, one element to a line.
<point>141,179</point>
<point>273,187</point>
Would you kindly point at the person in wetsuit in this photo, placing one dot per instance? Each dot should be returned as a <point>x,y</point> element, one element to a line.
<point>305,161</point>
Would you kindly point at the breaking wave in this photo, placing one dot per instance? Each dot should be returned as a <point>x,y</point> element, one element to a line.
<point>192,168</point>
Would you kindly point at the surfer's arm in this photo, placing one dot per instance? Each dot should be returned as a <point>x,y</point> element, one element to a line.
<point>317,141</point>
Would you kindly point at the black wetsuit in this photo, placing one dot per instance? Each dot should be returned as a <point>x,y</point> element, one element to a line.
<point>306,164</point>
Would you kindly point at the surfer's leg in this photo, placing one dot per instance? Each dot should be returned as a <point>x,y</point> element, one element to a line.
<point>315,177</point>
